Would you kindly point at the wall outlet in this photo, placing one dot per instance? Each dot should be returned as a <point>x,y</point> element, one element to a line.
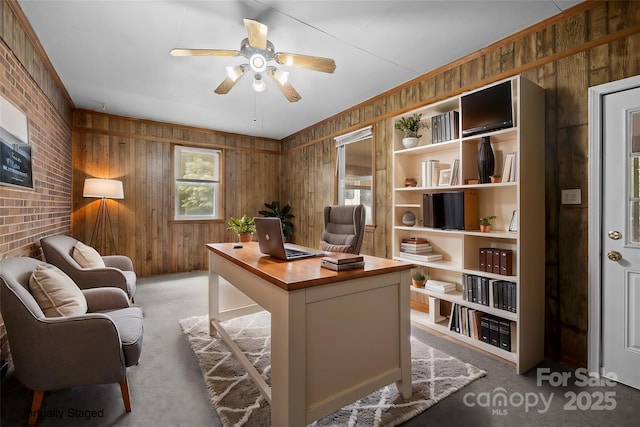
<point>571,197</point>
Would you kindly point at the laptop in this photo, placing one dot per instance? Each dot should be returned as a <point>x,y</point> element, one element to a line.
<point>269,231</point>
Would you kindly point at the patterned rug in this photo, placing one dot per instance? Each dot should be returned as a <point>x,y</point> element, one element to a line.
<point>239,403</point>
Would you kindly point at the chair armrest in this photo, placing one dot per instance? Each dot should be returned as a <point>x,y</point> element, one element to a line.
<point>70,351</point>
<point>105,298</point>
<point>121,262</point>
<point>87,278</point>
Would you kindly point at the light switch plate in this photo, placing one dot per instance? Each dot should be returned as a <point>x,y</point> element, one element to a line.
<point>571,197</point>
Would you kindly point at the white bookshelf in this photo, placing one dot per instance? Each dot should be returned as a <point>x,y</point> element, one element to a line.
<point>460,248</point>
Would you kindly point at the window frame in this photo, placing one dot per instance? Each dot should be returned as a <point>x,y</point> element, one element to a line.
<point>341,142</point>
<point>218,208</point>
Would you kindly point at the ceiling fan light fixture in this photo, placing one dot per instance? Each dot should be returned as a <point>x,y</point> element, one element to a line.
<point>258,63</point>
<point>258,83</point>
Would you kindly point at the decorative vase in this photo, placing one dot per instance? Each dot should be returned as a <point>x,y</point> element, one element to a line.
<point>409,218</point>
<point>486,161</point>
<point>410,141</point>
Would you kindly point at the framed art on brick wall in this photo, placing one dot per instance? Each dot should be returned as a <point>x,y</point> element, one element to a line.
<point>15,151</point>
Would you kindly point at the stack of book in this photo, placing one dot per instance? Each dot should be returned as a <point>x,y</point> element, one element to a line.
<point>342,262</point>
<point>440,287</point>
<point>415,245</point>
<point>418,249</point>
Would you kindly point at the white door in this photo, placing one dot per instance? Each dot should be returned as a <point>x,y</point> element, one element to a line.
<point>620,239</point>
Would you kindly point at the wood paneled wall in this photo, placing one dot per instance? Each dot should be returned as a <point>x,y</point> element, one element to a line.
<point>591,44</point>
<point>140,153</point>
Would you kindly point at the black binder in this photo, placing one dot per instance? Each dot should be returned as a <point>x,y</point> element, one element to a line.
<point>432,210</point>
<point>484,329</point>
<point>505,334</point>
<point>494,332</point>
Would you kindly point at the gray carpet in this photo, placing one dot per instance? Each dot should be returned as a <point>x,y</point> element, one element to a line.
<point>239,403</point>
<point>167,389</point>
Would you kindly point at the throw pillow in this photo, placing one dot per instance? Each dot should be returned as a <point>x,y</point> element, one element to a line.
<point>86,256</point>
<point>55,292</point>
<point>328,247</point>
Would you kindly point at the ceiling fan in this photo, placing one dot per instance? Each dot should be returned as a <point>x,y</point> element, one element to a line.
<point>259,51</point>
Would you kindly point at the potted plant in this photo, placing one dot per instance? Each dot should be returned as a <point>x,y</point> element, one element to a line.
<point>245,227</point>
<point>418,279</point>
<point>485,223</point>
<point>273,210</point>
<point>410,126</point>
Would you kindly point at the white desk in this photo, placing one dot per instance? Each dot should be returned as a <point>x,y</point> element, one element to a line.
<point>335,336</point>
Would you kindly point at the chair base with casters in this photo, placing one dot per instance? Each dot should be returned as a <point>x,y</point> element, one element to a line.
<point>52,353</point>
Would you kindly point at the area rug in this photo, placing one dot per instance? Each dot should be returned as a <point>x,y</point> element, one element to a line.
<point>238,402</point>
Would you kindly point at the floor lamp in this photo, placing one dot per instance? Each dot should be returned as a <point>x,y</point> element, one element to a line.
<point>104,189</point>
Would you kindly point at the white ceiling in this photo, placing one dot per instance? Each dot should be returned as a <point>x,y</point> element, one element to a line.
<point>113,56</point>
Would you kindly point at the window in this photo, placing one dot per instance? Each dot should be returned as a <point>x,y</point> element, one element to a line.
<point>355,170</point>
<point>197,183</point>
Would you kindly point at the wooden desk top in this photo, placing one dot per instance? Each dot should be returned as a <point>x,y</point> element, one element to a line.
<point>302,273</point>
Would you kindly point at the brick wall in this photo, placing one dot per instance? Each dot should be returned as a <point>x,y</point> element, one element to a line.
<point>28,215</point>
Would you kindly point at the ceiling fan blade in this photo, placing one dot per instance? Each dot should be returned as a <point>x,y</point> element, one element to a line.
<point>285,87</point>
<point>204,52</point>
<point>257,33</point>
<point>235,74</point>
<point>316,63</point>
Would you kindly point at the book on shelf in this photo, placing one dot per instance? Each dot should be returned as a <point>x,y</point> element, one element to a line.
<point>430,173</point>
<point>415,240</point>
<point>455,172</point>
<point>415,249</point>
<point>439,286</point>
<point>468,321</point>
<point>454,319</point>
<point>444,127</point>
<point>475,289</point>
<point>509,168</point>
<point>508,335</point>
<point>504,295</point>
<point>493,330</point>
<point>496,260</point>
<point>420,257</point>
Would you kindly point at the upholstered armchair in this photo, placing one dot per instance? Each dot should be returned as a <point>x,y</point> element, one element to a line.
<point>93,345</point>
<point>110,270</point>
<point>343,228</point>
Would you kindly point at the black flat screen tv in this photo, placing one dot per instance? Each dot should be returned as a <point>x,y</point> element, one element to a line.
<point>487,109</point>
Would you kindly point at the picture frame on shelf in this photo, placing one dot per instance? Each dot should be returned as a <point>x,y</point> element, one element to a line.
<point>445,178</point>
<point>513,224</point>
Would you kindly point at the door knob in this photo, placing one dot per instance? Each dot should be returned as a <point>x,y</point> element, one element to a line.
<point>614,255</point>
<point>615,235</point>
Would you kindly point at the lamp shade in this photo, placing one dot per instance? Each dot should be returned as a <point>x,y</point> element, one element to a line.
<point>107,188</point>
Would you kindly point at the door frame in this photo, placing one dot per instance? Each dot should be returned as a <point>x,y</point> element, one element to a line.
<point>596,95</point>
